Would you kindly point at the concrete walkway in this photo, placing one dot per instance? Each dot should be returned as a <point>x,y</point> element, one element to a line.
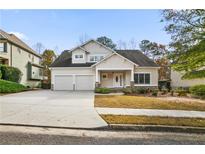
<point>151,112</point>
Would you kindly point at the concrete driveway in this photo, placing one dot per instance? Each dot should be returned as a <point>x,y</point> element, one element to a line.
<point>50,108</point>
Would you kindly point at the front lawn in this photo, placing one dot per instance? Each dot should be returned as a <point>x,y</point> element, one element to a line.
<point>147,120</point>
<point>11,87</point>
<point>140,102</point>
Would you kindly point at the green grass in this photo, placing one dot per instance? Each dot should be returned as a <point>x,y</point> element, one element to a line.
<point>148,120</point>
<point>11,87</point>
<point>141,102</point>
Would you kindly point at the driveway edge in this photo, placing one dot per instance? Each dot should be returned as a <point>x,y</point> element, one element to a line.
<point>158,128</point>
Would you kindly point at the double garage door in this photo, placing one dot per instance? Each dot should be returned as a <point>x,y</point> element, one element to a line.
<point>74,82</point>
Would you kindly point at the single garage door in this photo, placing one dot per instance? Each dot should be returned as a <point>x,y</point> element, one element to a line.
<point>63,82</point>
<point>84,82</point>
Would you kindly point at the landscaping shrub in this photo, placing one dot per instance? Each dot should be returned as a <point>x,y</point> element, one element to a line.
<point>166,84</point>
<point>103,90</point>
<point>10,73</point>
<point>11,87</point>
<point>155,92</point>
<point>141,90</point>
<point>127,91</point>
<point>182,91</point>
<point>198,90</point>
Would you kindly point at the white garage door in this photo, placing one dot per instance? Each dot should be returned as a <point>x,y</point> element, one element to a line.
<point>84,82</point>
<point>63,82</point>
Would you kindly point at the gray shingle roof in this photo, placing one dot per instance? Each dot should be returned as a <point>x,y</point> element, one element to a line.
<point>15,40</point>
<point>64,60</point>
<point>137,57</point>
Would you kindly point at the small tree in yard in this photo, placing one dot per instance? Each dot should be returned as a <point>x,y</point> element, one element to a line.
<point>48,57</point>
<point>187,30</point>
<point>158,53</point>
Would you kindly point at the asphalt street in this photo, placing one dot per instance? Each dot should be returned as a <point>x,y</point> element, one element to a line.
<point>50,136</point>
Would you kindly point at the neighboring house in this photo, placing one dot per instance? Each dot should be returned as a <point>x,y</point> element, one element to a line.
<point>14,52</point>
<point>177,81</point>
<point>93,65</point>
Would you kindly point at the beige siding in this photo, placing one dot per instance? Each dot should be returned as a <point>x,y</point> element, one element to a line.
<point>20,60</point>
<point>153,75</point>
<point>6,55</point>
<point>115,62</point>
<point>76,52</point>
<point>71,71</point>
<point>176,80</point>
<point>93,48</point>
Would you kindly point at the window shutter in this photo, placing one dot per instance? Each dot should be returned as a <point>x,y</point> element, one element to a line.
<point>5,47</point>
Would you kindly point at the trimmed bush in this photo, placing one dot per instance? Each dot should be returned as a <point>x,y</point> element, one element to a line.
<point>127,91</point>
<point>103,90</point>
<point>182,91</point>
<point>11,87</point>
<point>10,73</point>
<point>155,92</point>
<point>198,90</point>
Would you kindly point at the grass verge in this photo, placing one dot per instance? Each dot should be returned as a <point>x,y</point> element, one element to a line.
<point>140,102</point>
<point>147,120</point>
<point>11,87</point>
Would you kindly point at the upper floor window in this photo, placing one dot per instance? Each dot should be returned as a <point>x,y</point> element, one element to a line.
<point>142,78</point>
<point>1,47</point>
<point>79,56</point>
<point>96,58</point>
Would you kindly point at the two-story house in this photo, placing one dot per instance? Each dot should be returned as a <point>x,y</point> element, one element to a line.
<point>14,52</point>
<point>93,65</point>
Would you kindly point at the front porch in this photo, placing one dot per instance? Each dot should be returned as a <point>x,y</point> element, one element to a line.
<point>116,78</point>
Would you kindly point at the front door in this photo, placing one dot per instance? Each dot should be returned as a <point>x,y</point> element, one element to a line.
<point>118,80</point>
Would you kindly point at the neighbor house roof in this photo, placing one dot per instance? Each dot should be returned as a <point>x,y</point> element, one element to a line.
<point>64,60</point>
<point>15,40</point>
<point>137,57</point>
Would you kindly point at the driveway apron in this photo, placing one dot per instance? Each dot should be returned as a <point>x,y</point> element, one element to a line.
<point>72,109</point>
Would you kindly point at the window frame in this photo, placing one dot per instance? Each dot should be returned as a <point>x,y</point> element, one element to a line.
<point>2,46</point>
<point>96,58</point>
<point>78,56</point>
<point>144,78</point>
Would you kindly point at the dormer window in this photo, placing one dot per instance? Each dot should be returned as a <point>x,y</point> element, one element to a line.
<point>79,56</point>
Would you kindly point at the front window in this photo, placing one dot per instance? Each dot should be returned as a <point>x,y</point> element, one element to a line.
<point>1,47</point>
<point>78,56</point>
<point>96,58</point>
<point>142,78</point>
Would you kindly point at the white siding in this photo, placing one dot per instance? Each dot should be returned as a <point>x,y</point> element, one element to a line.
<point>71,71</point>
<point>176,80</point>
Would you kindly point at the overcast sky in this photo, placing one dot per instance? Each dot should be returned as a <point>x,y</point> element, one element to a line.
<point>63,28</point>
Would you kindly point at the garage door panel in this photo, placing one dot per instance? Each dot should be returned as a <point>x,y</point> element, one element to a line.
<point>84,82</point>
<point>63,82</point>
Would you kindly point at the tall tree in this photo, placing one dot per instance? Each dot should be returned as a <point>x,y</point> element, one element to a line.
<point>39,47</point>
<point>187,30</point>
<point>152,49</point>
<point>106,41</point>
<point>48,57</point>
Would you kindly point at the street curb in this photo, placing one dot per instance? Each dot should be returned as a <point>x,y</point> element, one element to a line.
<point>158,128</point>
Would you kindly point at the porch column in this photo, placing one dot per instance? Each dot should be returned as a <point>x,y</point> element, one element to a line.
<point>132,74</point>
<point>132,78</point>
<point>97,78</point>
